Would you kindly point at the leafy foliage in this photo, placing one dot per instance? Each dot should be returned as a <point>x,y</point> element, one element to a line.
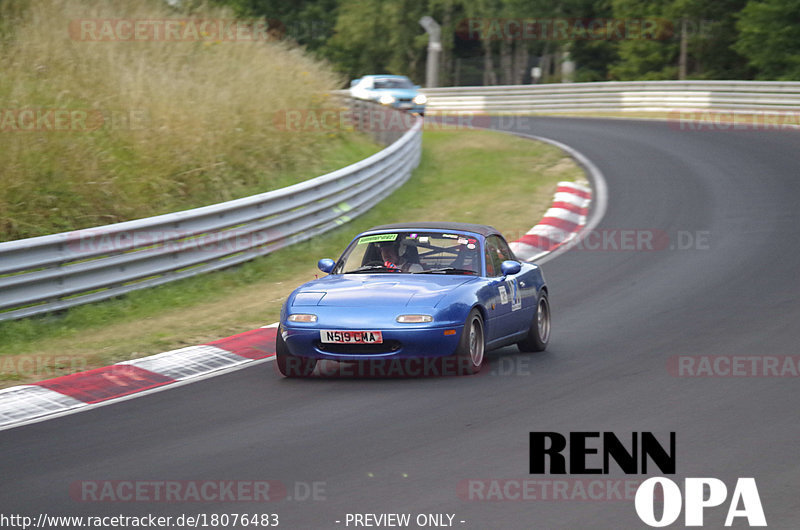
<point>769,37</point>
<point>722,39</point>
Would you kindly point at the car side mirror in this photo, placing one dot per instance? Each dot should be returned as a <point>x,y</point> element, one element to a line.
<point>326,265</point>
<point>510,267</point>
<point>354,82</point>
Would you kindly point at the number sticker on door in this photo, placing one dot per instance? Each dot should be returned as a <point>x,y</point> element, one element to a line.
<point>516,295</point>
<point>503,294</point>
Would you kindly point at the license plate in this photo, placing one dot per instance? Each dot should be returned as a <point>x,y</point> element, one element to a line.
<point>405,105</point>
<point>350,337</point>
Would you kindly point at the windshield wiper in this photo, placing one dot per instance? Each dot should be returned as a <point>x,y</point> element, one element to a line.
<point>365,268</point>
<point>447,270</point>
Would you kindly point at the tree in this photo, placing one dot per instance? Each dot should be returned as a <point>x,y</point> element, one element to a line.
<point>310,23</point>
<point>693,39</point>
<point>379,36</point>
<point>769,38</point>
<point>654,57</point>
<point>711,34</point>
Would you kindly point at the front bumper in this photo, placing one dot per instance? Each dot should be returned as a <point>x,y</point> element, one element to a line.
<point>419,109</point>
<point>408,106</point>
<point>398,343</point>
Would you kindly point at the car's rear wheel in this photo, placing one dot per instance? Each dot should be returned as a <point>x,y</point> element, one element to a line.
<point>472,346</point>
<point>291,365</point>
<point>539,331</point>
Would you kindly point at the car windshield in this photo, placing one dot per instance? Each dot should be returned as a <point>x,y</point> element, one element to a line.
<point>412,253</point>
<point>393,83</point>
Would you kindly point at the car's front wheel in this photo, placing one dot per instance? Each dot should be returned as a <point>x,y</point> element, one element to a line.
<point>291,365</point>
<point>539,331</point>
<point>472,346</point>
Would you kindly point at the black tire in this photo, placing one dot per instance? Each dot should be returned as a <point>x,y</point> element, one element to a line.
<point>291,365</point>
<point>471,351</point>
<point>539,331</point>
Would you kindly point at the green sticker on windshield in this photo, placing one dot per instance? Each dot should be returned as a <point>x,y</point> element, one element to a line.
<point>378,237</point>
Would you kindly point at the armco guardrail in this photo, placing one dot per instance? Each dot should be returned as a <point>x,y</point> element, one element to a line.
<point>54,272</point>
<point>657,96</point>
<point>62,270</point>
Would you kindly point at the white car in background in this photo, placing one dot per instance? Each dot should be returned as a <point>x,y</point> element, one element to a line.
<point>392,90</point>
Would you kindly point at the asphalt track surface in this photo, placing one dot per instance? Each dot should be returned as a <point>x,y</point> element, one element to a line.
<point>404,445</point>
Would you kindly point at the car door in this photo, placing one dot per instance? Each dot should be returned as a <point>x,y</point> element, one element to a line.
<point>510,316</point>
<point>500,311</point>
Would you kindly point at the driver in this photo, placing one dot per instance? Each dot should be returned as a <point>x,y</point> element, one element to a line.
<point>390,255</point>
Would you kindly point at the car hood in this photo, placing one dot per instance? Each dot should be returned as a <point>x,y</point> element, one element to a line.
<point>397,92</point>
<point>378,290</point>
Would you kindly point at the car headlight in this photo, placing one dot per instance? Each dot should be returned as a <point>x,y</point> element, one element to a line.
<point>302,317</point>
<point>420,99</point>
<point>386,99</point>
<point>414,319</point>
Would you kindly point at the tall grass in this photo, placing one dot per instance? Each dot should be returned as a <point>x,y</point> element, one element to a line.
<point>202,128</point>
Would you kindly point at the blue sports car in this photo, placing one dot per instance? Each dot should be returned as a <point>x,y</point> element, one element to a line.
<point>449,291</point>
<point>392,90</point>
